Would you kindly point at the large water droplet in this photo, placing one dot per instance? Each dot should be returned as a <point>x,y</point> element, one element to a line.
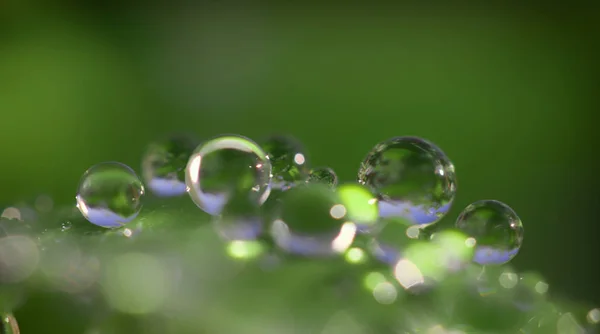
<point>413,178</point>
<point>324,175</point>
<point>224,167</point>
<point>312,221</point>
<point>496,229</point>
<point>109,194</point>
<point>288,160</point>
<point>163,164</point>
<point>9,324</point>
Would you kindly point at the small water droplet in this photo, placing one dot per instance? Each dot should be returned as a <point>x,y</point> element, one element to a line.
<point>288,160</point>
<point>109,194</point>
<point>324,175</point>
<point>163,164</point>
<point>66,226</point>
<point>224,167</point>
<point>413,178</point>
<point>306,226</point>
<point>497,229</point>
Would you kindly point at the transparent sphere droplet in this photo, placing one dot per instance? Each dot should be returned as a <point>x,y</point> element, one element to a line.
<point>240,226</point>
<point>361,204</point>
<point>9,324</point>
<point>164,162</point>
<point>413,178</point>
<point>312,221</point>
<point>240,219</point>
<point>224,167</point>
<point>288,160</point>
<point>109,194</point>
<point>496,228</point>
<point>323,175</point>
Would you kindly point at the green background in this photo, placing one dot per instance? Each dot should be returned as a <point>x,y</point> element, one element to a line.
<point>507,92</point>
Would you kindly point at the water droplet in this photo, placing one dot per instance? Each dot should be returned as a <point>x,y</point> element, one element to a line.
<point>413,178</point>
<point>288,160</point>
<point>240,220</point>
<point>9,324</point>
<point>163,164</point>
<point>361,205</point>
<point>312,222</point>
<point>497,229</point>
<point>324,175</point>
<point>109,194</point>
<point>224,167</point>
<point>66,226</point>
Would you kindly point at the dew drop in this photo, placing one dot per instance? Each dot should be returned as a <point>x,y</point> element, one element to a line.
<point>324,175</point>
<point>288,160</point>
<point>497,229</point>
<point>9,324</point>
<point>224,167</point>
<point>240,220</point>
<point>413,178</point>
<point>312,221</point>
<point>109,194</point>
<point>66,226</point>
<point>163,165</point>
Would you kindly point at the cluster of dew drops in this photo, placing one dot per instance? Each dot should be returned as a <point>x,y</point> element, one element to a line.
<point>268,189</point>
<point>268,193</point>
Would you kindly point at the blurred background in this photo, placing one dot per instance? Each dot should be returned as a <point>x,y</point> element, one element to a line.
<point>508,92</point>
